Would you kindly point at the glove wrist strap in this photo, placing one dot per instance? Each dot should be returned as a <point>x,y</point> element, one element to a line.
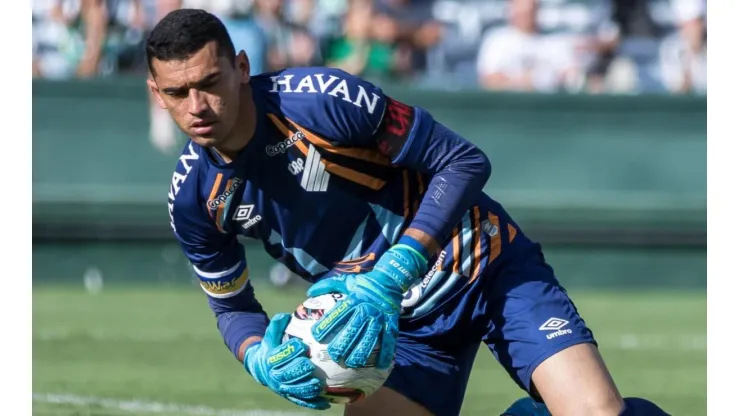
<point>404,265</point>
<point>249,361</point>
<point>415,246</point>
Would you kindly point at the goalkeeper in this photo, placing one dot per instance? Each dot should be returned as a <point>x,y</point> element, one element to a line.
<point>367,196</point>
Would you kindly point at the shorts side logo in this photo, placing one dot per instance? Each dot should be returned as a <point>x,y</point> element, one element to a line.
<point>556,325</point>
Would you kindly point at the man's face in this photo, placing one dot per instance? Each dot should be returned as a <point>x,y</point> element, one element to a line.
<point>201,93</point>
<point>524,15</point>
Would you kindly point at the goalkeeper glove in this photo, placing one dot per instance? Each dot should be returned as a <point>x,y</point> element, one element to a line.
<point>372,306</point>
<point>284,366</point>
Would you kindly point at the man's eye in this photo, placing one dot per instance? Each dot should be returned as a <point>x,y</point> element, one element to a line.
<point>176,94</point>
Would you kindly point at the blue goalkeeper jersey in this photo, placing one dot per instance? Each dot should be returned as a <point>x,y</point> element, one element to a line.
<point>334,174</point>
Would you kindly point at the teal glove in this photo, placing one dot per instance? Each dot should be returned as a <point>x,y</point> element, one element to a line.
<point>372,307</point>
<point>284,366</point>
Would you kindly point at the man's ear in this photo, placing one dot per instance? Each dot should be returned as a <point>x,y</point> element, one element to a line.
<point>242,64</point>
<point>155,92</point>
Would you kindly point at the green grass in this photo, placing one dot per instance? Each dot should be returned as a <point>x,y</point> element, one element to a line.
<point>160,344</point>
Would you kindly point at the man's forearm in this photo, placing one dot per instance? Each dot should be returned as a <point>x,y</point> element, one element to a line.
<point>246,344</point>
<point>459,171</point>
<point>241,329</point>
<point>428,242</point>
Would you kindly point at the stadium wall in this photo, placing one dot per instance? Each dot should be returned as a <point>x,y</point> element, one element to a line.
<point>602,182</point>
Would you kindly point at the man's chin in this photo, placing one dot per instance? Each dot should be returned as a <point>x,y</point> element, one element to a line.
<point>206,141</point>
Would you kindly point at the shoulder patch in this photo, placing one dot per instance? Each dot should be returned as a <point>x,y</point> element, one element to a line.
<point>395,127</point>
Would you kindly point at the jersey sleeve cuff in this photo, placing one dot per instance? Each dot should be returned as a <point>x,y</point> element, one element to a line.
<point>226,283</point>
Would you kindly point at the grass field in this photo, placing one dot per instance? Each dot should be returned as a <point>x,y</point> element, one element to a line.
<point>156,351</point>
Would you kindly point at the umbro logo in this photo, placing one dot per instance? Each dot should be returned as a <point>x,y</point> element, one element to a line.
<point>553,324</point>
<point>556,325</point>
<point>244,214</point>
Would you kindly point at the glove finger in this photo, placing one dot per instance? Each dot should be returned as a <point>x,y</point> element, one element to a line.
<point>331,319</point>
<point>388,344</point>
<point>304,390</point>
<point>295,370</point>
<point>364,349</point>
<point>318,403</point>
<point>285,353</point>
<point>340,347</point>
<point>275,330</point>
<point>335,284</point>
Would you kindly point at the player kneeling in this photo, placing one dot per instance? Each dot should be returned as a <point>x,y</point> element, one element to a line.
<point>369,197</point>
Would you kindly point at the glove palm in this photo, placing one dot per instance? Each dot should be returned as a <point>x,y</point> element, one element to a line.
<point>284,366</point>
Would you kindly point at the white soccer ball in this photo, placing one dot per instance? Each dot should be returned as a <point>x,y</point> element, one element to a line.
<point>343,385</point>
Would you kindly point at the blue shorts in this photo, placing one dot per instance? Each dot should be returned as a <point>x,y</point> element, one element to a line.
<point>520,311</point>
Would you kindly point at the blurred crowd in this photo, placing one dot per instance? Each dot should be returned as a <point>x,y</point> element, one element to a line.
<point>591,46</point>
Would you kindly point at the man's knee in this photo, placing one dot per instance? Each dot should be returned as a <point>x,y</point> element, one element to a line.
<point>633,406</point>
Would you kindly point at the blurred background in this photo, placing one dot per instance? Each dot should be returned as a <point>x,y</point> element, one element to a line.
<point>593,113</point>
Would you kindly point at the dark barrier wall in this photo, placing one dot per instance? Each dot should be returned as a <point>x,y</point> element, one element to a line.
<point>574,171</point>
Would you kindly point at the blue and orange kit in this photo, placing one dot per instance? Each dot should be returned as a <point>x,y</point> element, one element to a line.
<point>334,174</point>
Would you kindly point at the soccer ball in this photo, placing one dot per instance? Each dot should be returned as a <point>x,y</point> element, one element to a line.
<point>343,385</point>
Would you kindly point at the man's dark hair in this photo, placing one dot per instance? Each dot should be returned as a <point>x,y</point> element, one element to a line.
<point>183,32</point>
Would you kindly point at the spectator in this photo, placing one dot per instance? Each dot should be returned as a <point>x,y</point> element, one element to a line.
<point>665,40</point>
<point>357,52</point>
<point>87,38</point>
<point>683,54</point>
<point>129,21</point>
<point>288,45</point>
<point>60,48</point>
<point>517,57</point>
<point>410,25</point>
<point>586,37</point>
<point>322,18</point>
<point>300,12</point>
<point>547,45</point>
<point>244,32</point>
<point>163,132</point>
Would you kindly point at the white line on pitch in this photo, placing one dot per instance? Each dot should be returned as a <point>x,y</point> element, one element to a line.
<point>141,406</point>
<point>620,341</point>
